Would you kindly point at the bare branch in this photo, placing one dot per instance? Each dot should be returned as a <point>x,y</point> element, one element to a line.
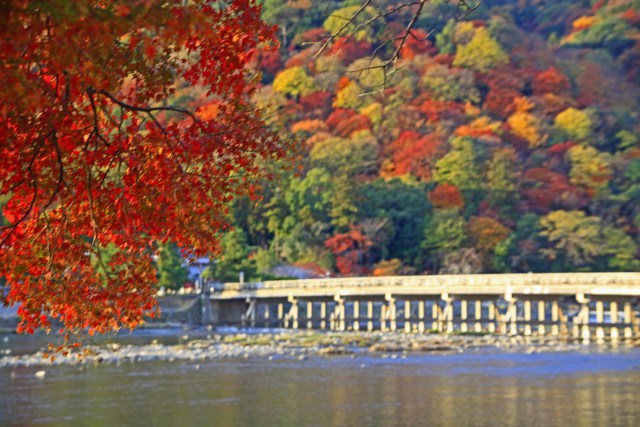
<point>348,22</point>
<point>389,65</point>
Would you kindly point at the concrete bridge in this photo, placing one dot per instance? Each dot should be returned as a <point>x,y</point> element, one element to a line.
<point>577,305</point>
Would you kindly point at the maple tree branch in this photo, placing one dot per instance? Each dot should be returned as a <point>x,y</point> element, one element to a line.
<point>168,143</point>
<point>96,125</point>
<point>61,180</point>
<point>144,109</point>
<point>12,228</point>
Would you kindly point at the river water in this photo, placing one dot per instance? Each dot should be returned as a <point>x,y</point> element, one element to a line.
<point>579,389</point>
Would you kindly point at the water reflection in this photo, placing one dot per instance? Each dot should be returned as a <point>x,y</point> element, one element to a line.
<point>530,390</point>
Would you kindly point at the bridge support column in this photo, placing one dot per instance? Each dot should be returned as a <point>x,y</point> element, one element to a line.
<point>599,321</point>
<point>309,314</point>
<point>282,322</point>
<point>421,316</point>
<point>436,325</point>
<point>294,312</point>
<point>383,316</point>
<point>447,313</point>
<point>527,317</point>
<point>463,316</point>
<point>267,308</point>
<point>581,321</point>
<point>339,313</point>
<point>613,318</point>
<point>555,318</point>
<point>477,314</point>
<point>513,317</point>
<point>542,307</point>
<point>249,316</point>
<point>491,316</point>
<point>510,318</point>
<point>392,312</point>
<point>369,316</point>
<point>407,316</point>
<point>628,320</point>
<point>356,315</point>
<point>323,315</point>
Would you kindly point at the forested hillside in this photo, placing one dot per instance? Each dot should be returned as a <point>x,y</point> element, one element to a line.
<point>507,142</point>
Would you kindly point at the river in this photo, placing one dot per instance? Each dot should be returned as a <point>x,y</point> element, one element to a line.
<point>579,389</point>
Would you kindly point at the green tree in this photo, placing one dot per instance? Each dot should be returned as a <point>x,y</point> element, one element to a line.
<point>575,239</point>
<point>576,124</point>
<point>622,251</point>
<point>405,207</point>
<point>446,84</point>
<point>482,53</point>
<point>590,168</point>
<point>234,259</point>
<point>172,273</point>
<point>460,166</point>
<point>521,250</point>
<point>349,96</point>
<point>309,200</point>
<point>502,180</point>
<point>444,39</point>
<point>607,32</point>
<point>444,233</point>
<point>335,23</point>
<point>367,72</point>
<point>340,156</point>
<point>293,81</point>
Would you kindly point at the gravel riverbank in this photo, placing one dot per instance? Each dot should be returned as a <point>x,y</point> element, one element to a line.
<point>301,345</point>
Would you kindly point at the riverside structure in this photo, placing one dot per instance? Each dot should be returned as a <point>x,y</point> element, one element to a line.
<point>577,305</point>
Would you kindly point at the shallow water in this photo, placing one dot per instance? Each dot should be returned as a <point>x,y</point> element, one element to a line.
<point>486,389</point>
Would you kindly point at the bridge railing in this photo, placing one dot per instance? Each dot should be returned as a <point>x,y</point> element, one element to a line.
<point>531,279</point>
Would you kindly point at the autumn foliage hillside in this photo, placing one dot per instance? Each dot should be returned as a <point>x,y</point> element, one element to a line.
<point>510,142</point>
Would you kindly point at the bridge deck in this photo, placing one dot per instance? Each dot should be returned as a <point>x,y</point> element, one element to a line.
<point>541,284</point>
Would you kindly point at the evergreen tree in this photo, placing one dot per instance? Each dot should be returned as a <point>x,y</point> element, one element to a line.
<point>172,273</point>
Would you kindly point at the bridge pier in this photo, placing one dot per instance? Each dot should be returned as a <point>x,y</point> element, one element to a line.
<point>447,313</point>
<point>369,316</point>
<point>542,308</point>
<point>435,317</point>
<point>281,320</point>
<point>356,315</point>
<point>491,327</point>
<point>267,321</point>
<point>613,318</point>
<point>339,321</point>
<point>389,312</point>
<point>527,317</point>
<point>309,314</point>
<point>628,320</point>
<point>581,329</point>
<point>599,321</point>
<point>463,316</point>
<point>407,316</point>
<point>477,314</point>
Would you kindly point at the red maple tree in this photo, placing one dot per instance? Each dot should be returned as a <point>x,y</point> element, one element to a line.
<point>96,157</point>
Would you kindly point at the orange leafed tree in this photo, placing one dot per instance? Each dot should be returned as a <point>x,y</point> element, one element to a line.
<point>95,157</point>
<point>446,196</point>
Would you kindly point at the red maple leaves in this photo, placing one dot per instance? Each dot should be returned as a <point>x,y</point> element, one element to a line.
<point>99,163</point>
